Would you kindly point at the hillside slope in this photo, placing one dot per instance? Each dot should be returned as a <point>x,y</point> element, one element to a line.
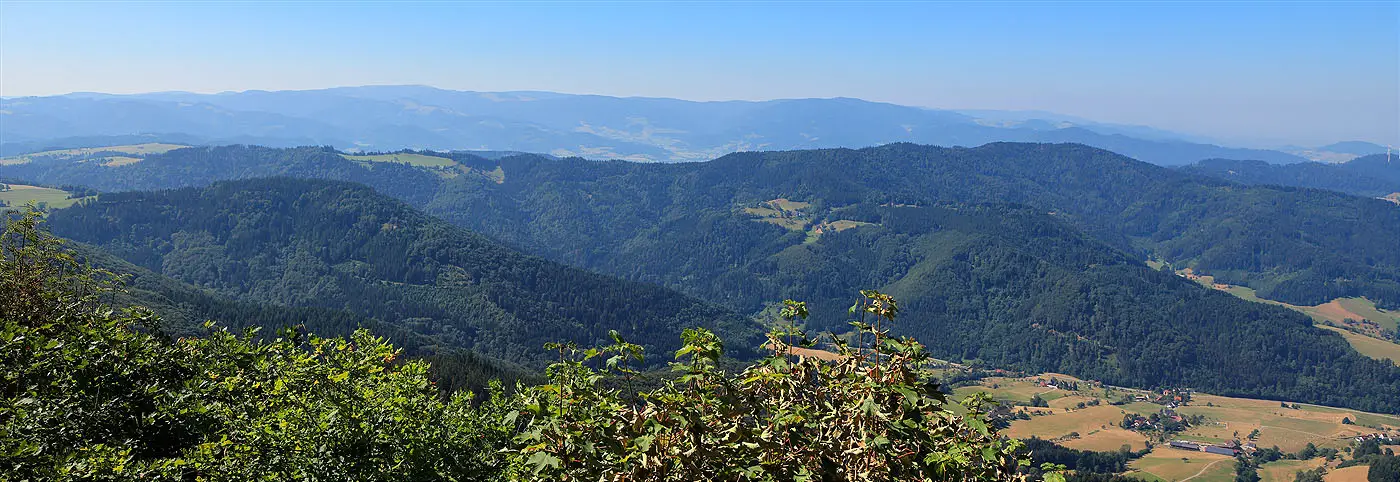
<point>1055,256</point>
<point>306,243</point>
<point>183,309</point>
<point>1298,246</point>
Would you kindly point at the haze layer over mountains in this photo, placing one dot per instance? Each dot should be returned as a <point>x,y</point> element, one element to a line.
<point>388,118</point>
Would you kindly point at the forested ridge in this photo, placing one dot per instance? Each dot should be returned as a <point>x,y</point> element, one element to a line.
<point>1371,176</point>
<point>339,246</point>
<point>1004,285</point>
<point>993,281</point>
<point>183,310</point>
<point>1294,245</point>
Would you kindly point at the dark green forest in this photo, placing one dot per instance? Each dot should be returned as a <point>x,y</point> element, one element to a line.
<point>667,223</point>
<point>1006,286</point>
<point>184,309</point>
<point>343,247</point>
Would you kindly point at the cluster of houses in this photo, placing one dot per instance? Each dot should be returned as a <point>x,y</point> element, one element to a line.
<point>1383,438</point>
<point>1231,449</point>
<point>1057,384</point>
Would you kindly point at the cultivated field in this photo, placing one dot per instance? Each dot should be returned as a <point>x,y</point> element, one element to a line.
<point>1349,474</point>
<point>1168,464</point>
<point>1286,470</point>
<point>18,195</point>
<point>1226,419</point>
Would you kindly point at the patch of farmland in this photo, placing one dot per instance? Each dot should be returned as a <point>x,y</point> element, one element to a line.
<point>1107,440</point>
<point>1175,464</point>
<point>1286,470</point>
<point>1355,473</point>
<point>1371,347</point>
<point>1226,419</point>
<point>782,212</point>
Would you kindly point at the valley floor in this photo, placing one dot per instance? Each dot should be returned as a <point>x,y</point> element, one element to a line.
<point>1095,426</point>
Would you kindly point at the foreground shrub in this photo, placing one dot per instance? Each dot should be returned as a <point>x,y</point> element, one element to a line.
<point>869,415</point>
<point>89,393</point>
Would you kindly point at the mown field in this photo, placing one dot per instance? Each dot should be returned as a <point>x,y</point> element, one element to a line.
<point>1286,470</point>
<point>1226,419</point>
<point>19,194</point>
<point>1167,465</point>
<point>1349,474</point>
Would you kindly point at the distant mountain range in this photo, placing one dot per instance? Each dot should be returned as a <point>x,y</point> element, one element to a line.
<point>387,118</point>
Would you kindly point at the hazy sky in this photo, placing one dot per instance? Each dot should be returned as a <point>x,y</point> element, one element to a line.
<point>1306,73</point>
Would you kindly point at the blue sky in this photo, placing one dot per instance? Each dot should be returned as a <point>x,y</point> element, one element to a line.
<point>1249,72</point>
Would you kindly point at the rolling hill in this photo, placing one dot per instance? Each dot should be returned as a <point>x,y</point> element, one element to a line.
<point>342,247</point>
<point>1295,245</point>
<point>994,250</point>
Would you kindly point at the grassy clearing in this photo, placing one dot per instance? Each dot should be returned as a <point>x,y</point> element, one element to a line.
<point>789,205</point>
<point>844,224</point>
<point>64,154</point>
<point>1092,420</point>
<point>1284,470</point>
<point>1173,464</point>
<point>115,161</point>
<point>1368,310</point>
<point>1355,473</point>
<point>19,194</point>
<point>1013,389</point>
<point>1107,440</point>
<point>419,160</point>
<point>1371,347</point>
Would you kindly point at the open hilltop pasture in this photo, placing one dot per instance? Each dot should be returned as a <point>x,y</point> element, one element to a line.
<point>421,160</point>
<point>108,156</point>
